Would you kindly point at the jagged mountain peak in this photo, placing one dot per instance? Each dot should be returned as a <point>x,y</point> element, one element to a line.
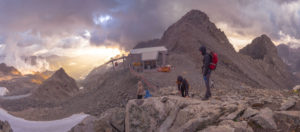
<point>264,40</point>
<point>196,15</point>
<point>193,30</point>
<point>260,48</point>
<point>60,73</point>
<point>59,86</point>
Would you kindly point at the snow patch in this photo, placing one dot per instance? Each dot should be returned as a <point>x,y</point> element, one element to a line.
<point>3,91</point>
<point>22,125</point>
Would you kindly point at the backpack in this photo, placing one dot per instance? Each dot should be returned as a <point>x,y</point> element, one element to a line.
<point>147,94</point>
<point>214,60</point>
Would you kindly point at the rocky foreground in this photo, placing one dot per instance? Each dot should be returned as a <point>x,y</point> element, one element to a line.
<point>5,126</point>
<point>247,110</point>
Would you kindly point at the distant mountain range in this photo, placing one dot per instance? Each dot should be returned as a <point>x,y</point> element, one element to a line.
<point>291,56</point>
<point>8,70</point>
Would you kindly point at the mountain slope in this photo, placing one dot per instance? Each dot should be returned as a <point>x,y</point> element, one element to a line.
<point>194,29</point>
<point>265,51</point>
<point>58,86</point>
<point>260,48</point>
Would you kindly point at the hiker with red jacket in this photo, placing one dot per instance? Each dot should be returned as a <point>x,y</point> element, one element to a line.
<point>209,64</point>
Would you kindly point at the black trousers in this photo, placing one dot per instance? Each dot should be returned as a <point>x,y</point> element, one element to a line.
<point>184,92</point>
<point>206,80</point>
<point>139,96</point>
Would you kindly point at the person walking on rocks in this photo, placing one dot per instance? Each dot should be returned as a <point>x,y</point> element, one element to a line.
<point>140,90</point>
<point>183,86</point>
<point>206,71</point>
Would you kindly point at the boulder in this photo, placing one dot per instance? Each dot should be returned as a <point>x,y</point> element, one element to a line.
<point>173,113</point>
<point>87,125</point>
<point>115,117</point>
<point>218,129</point>
<point>147,114</point>
<point>109,121</point>
<point>236,114</point>
<point>264,119</point>
<point>229,126</point>
<point>287,104</point>
<point>249,112</point>
<point>292,117</point>
<point>238,126</point>
<point>257,104</point>
<point>5,126</point>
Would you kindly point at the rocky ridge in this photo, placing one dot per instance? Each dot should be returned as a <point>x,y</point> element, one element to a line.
<point>8,70</point>
<point>19,84</point>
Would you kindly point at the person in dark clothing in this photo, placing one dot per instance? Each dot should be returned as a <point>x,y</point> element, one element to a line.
<point>206,71</point>
<point>183,86</point>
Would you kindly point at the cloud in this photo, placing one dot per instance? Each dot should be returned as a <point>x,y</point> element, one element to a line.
<point>50,17</point>
<point>52,26</point>
<point>129,21</point>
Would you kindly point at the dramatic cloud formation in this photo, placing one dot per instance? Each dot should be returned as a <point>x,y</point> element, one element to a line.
<point>63,27</point>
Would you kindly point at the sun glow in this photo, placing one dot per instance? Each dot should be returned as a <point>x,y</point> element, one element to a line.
<point>81,61</point>
<point>237,40</point>
<point>77,62</point>
<point>74,53</point>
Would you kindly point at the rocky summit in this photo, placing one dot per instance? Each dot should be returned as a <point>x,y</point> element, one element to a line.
<point>260,48</point>
<point>264,51</point>
<point>59,86</point>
